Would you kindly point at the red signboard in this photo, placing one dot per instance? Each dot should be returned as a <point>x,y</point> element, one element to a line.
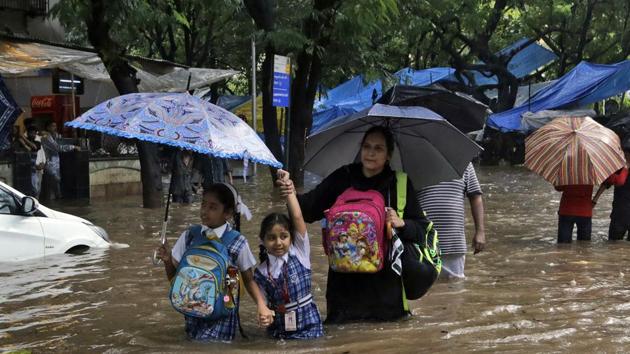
<point>57,108</point>
<point>42,102</point>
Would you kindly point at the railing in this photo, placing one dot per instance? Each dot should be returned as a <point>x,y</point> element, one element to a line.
<point>32,7</point>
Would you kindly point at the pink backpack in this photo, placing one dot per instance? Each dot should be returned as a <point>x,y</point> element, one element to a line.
<point>354,234</point>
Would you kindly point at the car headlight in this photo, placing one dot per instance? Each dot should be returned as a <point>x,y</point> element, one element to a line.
<point>100,231</point>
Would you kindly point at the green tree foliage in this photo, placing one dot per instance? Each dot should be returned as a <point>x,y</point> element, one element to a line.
<point>592,30</point>
<point>330,41</point>
<point>191,32</point>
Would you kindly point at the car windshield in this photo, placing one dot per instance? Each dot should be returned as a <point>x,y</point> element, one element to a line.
<point>7,203</point>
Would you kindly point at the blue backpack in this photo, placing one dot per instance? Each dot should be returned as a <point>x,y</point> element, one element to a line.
<point>205,285</point>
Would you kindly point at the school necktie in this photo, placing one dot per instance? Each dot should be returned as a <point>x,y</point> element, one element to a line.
<point>211,235</point>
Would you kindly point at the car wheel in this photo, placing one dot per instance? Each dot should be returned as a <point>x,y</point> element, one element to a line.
<point>79,249</point>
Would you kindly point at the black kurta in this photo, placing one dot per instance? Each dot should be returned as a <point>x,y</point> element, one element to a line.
<point>357,296</point>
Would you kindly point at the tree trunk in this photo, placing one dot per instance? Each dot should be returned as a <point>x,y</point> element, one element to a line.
<point>150,173</point>
<point>270,116</point>
<point>303,91</point>
<point>124,78</point>
<point>507,89</point>
<point>263,14</point>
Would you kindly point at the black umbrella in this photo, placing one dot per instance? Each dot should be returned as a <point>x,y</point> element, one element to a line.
<point>620,125</point>
<point>464,112</point>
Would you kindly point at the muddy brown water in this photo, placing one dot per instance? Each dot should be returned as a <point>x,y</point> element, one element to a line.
<point>524,294</point>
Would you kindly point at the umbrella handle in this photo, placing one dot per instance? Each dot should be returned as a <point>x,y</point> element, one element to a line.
<point>154,259</point>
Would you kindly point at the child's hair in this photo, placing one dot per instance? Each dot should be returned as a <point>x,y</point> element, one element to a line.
<point>267,224</point>
<point>227,197</point>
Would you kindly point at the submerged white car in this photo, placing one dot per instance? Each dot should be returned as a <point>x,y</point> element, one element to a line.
<point>30,230</point>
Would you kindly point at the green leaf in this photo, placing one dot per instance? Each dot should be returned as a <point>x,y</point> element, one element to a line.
<point>181,19</point>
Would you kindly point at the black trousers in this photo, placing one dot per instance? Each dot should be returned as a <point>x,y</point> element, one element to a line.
<point>618,229</point>
<point>565,228</point>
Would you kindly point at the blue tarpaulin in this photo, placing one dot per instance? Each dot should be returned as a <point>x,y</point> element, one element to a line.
<point>355,95</point>
<point>523,63</point>
<point>585,84</point>
<point>231,102</point>
<point>326,116</point>
<point>424,77</point>
<point>9,111</point>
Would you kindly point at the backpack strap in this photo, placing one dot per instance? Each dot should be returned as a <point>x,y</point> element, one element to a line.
<point>229,236</point>
<point>401,193</point>
<point>194,231</point>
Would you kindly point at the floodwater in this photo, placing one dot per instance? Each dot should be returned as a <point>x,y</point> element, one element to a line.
<point>523,294</point>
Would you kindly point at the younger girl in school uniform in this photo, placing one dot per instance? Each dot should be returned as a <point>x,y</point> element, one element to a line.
<point>284,274</point>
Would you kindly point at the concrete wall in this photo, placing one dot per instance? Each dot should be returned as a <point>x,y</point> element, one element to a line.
<point>114,178</point>
<point>108,177</point>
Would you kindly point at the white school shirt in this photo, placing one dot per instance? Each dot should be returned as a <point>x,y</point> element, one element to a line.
<point>245,260</point>
<point>301,248</point>
<point>41,155</point>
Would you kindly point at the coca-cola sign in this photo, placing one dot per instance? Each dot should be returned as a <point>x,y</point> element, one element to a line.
<point>39,102</point>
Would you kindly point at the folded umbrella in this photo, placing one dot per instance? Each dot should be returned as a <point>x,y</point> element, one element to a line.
<point>573,151</point>
<point>428,148</point>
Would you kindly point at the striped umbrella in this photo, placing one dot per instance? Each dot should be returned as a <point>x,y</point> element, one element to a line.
<point>570,151</point>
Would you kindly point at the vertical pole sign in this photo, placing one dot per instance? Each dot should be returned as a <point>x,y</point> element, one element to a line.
<point>281,94</point>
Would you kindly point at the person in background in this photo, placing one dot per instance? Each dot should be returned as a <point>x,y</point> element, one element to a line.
<point>576,208</point>
<point>182,176</point>
<point>31,143</point>
<point>620,215</point>
<point>213,170</point>
<point>444,205</point>
<point>38,159</point>
<point>53,145</point>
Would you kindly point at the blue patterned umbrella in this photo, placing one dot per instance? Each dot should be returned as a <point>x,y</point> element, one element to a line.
<point>9,111</point>
<point>180,120</point>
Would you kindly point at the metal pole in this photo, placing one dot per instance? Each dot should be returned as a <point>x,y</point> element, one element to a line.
<point>287,132</point>
<point>254,100</point>
<point>74,109</point>
<point>288,123</point>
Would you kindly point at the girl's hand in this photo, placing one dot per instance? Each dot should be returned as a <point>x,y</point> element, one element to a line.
<point>283,175</point>
<point>265,316</point>
<point>285,183</point>
<point>164,253</point>
<point>392,217</point>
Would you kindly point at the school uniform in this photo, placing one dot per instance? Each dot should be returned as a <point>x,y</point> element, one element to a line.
<point>241,257</point>
<point>286,283</point>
